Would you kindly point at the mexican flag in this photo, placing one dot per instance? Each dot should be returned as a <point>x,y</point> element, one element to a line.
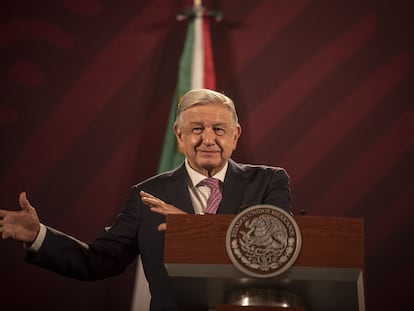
<point>196,70</point>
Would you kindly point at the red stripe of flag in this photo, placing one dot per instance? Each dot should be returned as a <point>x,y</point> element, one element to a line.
<point>209,72</point>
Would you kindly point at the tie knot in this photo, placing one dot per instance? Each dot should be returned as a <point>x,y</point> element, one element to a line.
<point>212,183</point>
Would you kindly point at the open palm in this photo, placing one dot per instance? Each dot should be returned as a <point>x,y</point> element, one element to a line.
<point>22,225</point>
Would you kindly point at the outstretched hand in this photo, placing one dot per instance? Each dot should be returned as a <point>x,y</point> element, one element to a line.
<point>159,206</point>
<point>22,225</point>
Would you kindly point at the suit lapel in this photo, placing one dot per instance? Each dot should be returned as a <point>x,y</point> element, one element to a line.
<point>177,190</point>
<point>233,189</point>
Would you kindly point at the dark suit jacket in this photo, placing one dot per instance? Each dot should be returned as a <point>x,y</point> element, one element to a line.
<point>134,231</point>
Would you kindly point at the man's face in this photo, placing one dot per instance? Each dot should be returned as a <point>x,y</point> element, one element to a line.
<point>208,135</point>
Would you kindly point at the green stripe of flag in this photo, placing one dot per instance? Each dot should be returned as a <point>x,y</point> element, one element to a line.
<point>170,156</point>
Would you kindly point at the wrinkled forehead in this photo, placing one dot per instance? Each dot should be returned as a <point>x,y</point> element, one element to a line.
<point>219,111</point>
<point>212,113</point>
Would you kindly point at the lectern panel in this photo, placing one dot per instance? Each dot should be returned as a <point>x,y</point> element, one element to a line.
<point>328,273</point>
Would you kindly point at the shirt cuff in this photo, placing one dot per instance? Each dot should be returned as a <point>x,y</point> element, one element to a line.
<point>37,243</point>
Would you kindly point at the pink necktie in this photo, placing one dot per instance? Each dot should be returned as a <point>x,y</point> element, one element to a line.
<point>215,197</point>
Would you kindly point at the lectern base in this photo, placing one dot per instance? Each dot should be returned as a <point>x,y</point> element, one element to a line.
<point>256,308</point>
<point>270,297</point>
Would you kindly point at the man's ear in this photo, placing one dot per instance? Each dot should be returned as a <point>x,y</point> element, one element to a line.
<point>178,135</point>
<point>236,136</point>
<point>177,131</point>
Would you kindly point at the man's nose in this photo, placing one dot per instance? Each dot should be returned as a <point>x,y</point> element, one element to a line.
<point>209,137</point>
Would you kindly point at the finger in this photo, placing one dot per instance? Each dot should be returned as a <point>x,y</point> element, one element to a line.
<point>24,202</point>
<point>152,200</point>
<point>162,227</point>
<point>158,210</point>
<point>6,235</point>
<point>146,194</point>
<point>147,201</point>
<point>3,213</point>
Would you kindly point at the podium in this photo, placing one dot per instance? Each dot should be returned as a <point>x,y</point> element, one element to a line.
<point>327,274</point>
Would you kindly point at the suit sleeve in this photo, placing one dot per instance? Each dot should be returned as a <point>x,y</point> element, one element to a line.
<point>267,185</point>
<point>107,255</point>
<point>278,191</point>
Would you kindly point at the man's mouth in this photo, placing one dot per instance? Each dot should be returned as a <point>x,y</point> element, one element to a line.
<point>208,151</point>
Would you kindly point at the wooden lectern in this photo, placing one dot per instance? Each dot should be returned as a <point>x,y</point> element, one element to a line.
<point>328,273</point>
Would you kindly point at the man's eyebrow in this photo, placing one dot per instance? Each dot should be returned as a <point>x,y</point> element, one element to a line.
<point>196,123</point>
<point>200,123</point>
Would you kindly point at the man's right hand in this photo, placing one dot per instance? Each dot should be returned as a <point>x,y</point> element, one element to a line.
<point>159,206</point>
<point>22,225</point>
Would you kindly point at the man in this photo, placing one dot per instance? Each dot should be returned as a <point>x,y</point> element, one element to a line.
<point>207,131</point>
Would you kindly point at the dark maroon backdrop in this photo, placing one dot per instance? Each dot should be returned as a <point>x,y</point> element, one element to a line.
<point>323,88</point>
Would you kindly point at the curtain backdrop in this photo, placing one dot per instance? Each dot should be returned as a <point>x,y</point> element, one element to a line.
<point>323,88</point>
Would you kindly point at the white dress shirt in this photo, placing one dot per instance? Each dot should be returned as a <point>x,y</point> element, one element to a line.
<point>200,193</point>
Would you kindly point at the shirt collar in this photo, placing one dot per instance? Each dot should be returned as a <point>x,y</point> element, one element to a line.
<point>196,177</point>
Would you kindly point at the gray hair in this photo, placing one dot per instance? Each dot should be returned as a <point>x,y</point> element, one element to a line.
<point>202,97</point>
